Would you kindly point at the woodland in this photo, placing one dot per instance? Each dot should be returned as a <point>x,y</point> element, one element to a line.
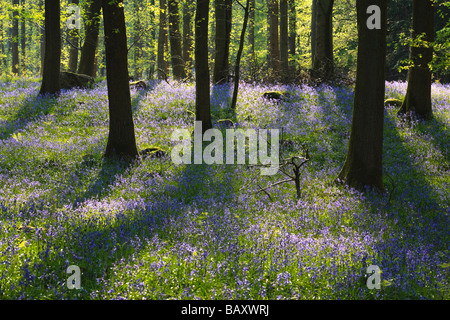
<point>93,207</point>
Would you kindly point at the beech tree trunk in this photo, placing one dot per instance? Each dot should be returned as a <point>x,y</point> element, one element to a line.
<point>284,39</point>
<point>121,139</point>
<point>15,39</point>
<point>23,40</point>
<point>176,51</point>
<point>89,50</point>
<point>163,68</point>
<point>274,44</point>
<point>187,35</point>
<point>74,38</point>
<point>52,56</point>
<point>202,76</point>
<point>292,27</point>
<point>323,65</point>
<point>222,41</point>
<point>363,165</point>
<point>418,95</point>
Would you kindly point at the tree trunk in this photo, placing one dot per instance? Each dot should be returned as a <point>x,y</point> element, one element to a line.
<point>42,40</point>
<point>52,57</point>
<point>74,37</point>
<point>162,40</point>
<point>15,39</point>
<point>137,40</point>
<point>418,95</point>
<point>251,29</point>
<point>23,40</point>
<point>273,45</point>
<point>222,41</point>
<point>202,77</point>
<point>323,65</point>
<point>121,139</point>
<point>284,39</point>
<point>176,51</point>
<point>292,27</point>
<point>89,50</point>
<point>363,165</point>
<point>313,29</point>
<point>238,57</point>
<point>187,35</point>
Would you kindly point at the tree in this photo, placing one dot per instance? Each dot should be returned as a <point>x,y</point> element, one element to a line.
<point>92,29</point>
<point>202,77</point>
<point>237,70</point>
<point>363,165</point>
<point>162,40</point>
<point>121,138</point>
<point>176,51</point>
<point>52,55</point>
<point>222,41</point>
<point>23,37</point>
<point>137,39</point>
<point>292,27</point>
<point>15,38</point>
<point>273,40</point>
<point>322,59</point>
<point>187,34</point>
<point>251,29</point>
<point>73,38</point>
<point>284,39</point>
<point>418,95</point>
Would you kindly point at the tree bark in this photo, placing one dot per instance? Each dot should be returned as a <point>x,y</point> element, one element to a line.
<point>363,165</point>
<point>222,41</point>
<point>284,39</point>
<point>273,43</point>
<point>15,39</point>
<point>176,51</point>
<point>42,40</point>
<point>202,76</point>
<point>52,56</point>
<point>89,50</point>
<point>418,95</point>
<point>323,65</point>
<point>121,139</point>
<point>163,69</point>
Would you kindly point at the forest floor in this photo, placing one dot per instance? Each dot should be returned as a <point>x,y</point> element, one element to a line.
<point>158,231</point>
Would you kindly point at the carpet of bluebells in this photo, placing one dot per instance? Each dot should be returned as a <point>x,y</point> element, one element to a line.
<point>153,230</point>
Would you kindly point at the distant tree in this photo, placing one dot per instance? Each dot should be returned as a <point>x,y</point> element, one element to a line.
<point>292,27</point>
<point>322,59</point>
<point>137,43</point>
<point>187,34</point>
<point>92,29</point>
<point>202,76</point>
<point>23,41</point>
<point>284,39</point>
<point>418,95</point>
<point>237,70</point>
<point>176,51</point>
<point>222,40</point>
<point>52,56</point>
<point>121,138</point>
<point>273,40</point>
<point>74,39</point>
<point>251,28</point>
<point>163,69</point>
<point>363,165</point>
<point>15,38</point>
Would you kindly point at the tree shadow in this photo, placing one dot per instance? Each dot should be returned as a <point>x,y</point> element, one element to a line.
<point>221,95</point>
<point>141,93</point>
<point>419,217</point>
<point>30,111</point>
